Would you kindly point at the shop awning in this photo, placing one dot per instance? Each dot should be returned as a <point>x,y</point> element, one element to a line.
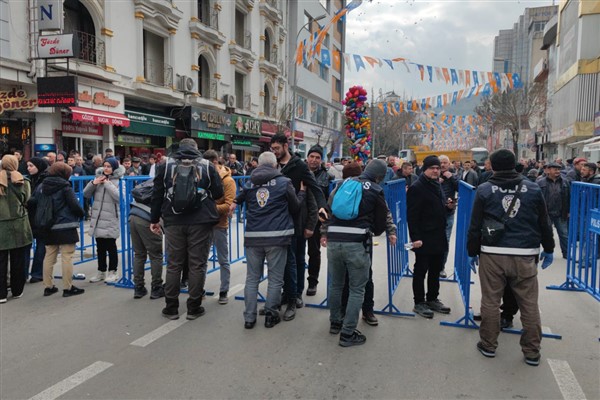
<point>99,117</point>
<point>150,124</point>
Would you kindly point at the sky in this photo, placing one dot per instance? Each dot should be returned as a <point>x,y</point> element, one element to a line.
<point>454,34</point>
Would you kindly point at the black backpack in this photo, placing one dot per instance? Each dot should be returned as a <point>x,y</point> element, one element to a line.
<point>186,195</point>
<point>44,216</point>
<point>142,193</point>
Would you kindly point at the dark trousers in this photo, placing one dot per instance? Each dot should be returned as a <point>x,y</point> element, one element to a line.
<point>17,268</point>
<point>109,246</point>
<point>430,265</point>
<point>37,266</point>
<point>509,305</point>
<point>314,256</point>
<point>290,277</point>
<point>300,256</point>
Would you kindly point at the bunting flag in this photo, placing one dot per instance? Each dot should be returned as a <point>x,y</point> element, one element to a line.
<point>430,72</point>
<point>337,60</point>
<point>454,76</point>
<point>359,62</point>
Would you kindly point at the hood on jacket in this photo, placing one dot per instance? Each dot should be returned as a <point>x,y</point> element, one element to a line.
<point>53,184</point>
<point>224,171</point>
<point>506,178</point>
<point>263,173</point>
<point>118,173</point>
<point>186,153</point>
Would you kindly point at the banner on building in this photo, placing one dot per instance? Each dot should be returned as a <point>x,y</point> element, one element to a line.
<point>58,91</point>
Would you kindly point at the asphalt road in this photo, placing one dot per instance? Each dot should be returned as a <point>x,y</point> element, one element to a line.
<point>106,345</point>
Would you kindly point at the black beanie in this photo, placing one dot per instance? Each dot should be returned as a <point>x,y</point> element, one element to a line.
<point>431,161</point>
<point>503,160</point>
<point>39,163</point>
<point>315,149</point>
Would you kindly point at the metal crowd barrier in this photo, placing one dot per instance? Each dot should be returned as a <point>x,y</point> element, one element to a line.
<point>582,251</point>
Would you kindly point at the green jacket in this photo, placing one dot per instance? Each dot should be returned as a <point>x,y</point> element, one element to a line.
<point>15,231</point>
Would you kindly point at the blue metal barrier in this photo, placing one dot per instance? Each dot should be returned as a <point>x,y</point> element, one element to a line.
<point>462,269</point>
<point>584,230</point>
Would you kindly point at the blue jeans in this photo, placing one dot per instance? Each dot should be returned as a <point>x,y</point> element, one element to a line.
<point>562,228</point>
<point>220,239</point>
<point>351,258</point>
<point>276,260</point>
<point>449,226</point>
<point>37,265</point>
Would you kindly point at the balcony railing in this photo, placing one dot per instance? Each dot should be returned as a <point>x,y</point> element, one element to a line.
<point>211,20</point>
<point>91,49</point>
<point>158,73</point>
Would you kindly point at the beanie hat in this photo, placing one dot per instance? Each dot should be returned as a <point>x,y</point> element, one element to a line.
<point>113,163</point>
<point>39,163</point>
<point>351,169</point>
<point>503,160</point>
<point>62,170</point>
<point>376,170</point>
<point>315,149</point>
<point>431,161</point>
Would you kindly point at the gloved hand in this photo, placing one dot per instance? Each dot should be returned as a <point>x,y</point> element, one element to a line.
<point>546,259</point>
<point>474,263</point>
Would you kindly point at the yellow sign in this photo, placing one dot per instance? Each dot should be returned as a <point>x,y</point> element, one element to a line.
<point>15,100</point>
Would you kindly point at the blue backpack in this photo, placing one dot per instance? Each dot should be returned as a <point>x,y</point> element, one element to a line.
<point>346,201</point>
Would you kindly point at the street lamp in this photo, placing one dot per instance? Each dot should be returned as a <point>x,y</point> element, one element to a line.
<point>294,99</point>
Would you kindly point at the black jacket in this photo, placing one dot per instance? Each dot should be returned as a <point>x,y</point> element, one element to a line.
<point>161,205</point>
<point>565,194</point>
<point>426,216</point>
<point>323,178</point>
<point>67,211</point>
<point>449,189</point>
<point>527,226</point>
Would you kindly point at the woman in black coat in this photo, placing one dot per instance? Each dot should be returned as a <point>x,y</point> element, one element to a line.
<point>37,168</point>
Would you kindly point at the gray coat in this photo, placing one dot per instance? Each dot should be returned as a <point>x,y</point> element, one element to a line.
<point>105,217</point>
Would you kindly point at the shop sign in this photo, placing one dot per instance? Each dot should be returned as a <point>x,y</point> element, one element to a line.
<point>15,100</point>
<point>562,134</point>
<point>99,98</point>
<point>210,136</point>
<point>51,15</point>
<point>239,142</point>
<point>246,126</point>
<point>80,127</point>
<point>211,121</point>
<point>150,119</point>
<point>58,46</point>
<point>59,91</point>
<point>133,139</point>
<point>597,124</point>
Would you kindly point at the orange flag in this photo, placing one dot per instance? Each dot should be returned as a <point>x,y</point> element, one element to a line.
<point>372,61</point>
<point>337,59</point>
<point>467,78</point>
<point>446,74</point>
<point>299,52</point>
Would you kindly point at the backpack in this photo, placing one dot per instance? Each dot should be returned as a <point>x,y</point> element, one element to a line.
<point>142,193</point>
<point>185,194</point>
<point>346,201</point>
<point>44,216</point>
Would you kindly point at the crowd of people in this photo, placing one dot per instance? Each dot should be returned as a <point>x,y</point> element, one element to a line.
<point>290,215</point>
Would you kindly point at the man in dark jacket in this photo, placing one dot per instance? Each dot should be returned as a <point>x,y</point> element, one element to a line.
<point>348,245</point>
<point>574,175</point>
<point>406,172</point>
<point>557,194</point>
<point>426,216</point>
<point>449,189</point>
<point>468,174</point>
<point>512,258</point>
<point>294,168</point>
<point>270,202</point>
<point>589,175</point>
<point>189,234</point>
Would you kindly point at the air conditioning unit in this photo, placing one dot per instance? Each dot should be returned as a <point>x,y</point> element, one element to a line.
<point>186,83</point>
<point>229,100</point>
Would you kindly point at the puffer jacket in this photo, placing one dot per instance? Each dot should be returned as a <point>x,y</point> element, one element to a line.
<point>228,195</point>
<point>15,231</point>
<point>105,214</point>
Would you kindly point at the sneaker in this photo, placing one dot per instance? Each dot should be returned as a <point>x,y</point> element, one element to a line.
<point>370,318</point>
<point>193,314</point>
<point>423,310</point>
<point>100,276</point>
<point>112,277</point>
<point>18,296</point>
<point>74,291</point>
<point>506,323</point>
<point>184,284</point>
<point>2,301</point>
<point>354,339</point>
<point>50,290</point>
<point>312,290</point>
<point>223,299</point>
<point>290,311</point>
<point>249,324</point>
<point>486,352</point>
<point>170,313</point>
<point>299,302</point>
<point>35,279</point>
<point>438,306</point>
<point>335,327</point>
<point>533,359</point>
<point>443,274</point>
<point>272,319</point>
<point>157,292</point>
<point>139,292</point>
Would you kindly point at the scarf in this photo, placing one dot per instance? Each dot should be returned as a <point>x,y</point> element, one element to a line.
<point>9,165</point>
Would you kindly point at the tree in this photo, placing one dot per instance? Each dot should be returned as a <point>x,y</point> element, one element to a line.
<point>387,131</point>
<point>513,109</point>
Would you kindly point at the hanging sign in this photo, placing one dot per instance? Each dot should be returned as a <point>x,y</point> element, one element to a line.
<point>58,46</point>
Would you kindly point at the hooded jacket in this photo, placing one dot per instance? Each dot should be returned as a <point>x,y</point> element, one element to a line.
<point>206,213</point>
<point>270,202</point>
<point>223,203</point>
<point>527,226</point>
<point>15,231</point>
<point>105,214</point>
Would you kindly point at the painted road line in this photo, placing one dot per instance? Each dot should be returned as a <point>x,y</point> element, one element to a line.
<point>73,381</point>
<point>158,332</point>
<point>567,383</point>
<point>236,289</point>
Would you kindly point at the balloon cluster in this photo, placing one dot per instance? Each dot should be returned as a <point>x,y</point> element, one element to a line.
<point>358,123</point>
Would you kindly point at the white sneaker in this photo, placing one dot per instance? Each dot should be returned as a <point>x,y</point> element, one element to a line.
<point>112,277</point>
<point>99,277</point>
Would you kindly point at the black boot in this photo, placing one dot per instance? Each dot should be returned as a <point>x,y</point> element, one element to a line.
<point>139,292</point>
<point>290,311</point>
<point>272,319</point>
<point>171,311</point>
